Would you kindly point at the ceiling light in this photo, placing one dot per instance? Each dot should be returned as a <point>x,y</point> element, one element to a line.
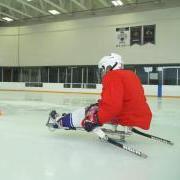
<point>7,19</point>
<point>54,12</point>
<point>29,0</point>
<point>117,3</point>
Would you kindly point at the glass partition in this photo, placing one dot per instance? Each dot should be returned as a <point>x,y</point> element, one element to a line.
<point>7,74</point>
<point>53,74</point>
<point>44,74</point>
<point>170,76</point>
<point>142,75</point>
<point>1,74</point>
<point>87,76</point>
<point>178,72</point>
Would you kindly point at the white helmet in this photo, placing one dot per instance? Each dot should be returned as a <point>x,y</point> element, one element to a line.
<point>113,60</point>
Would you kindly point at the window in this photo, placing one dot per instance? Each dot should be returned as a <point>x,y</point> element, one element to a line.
<point>130,67</point>
<point>92,77</point>
<point>76,77</point>
<point>170,76</point>
<point>0,74</point>
<point>25,75</point>
<point>62,74</point>
<point>87,76</point>
<point>7,74</point>
<point>53,74</point>
<point>142,75</point>
<point>178,76</point>
<point>68,77</point>
<point>16,75</point>
<point>44,74</point>
<point>92,74</point>
<point>34,75</point>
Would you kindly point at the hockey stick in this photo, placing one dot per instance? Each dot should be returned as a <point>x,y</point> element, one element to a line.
<point>108,131</point>
<point>152,137</point>
<point>103,136</point>
<point>127,148</point>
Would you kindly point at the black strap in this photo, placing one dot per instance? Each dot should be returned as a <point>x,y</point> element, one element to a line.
<point>113,66</point>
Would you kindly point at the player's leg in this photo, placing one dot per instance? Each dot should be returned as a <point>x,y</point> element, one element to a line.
<point>69,120</point>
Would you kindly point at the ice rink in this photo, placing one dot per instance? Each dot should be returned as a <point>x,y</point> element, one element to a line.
<point>29,151</point>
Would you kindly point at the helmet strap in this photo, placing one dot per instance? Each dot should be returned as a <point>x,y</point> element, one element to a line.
<point>113,66</point>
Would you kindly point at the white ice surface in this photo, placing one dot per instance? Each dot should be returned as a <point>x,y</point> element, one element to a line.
<point>29,151</point>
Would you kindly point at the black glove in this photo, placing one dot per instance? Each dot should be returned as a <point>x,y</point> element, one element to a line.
<point>91,120</point>
<point>53,114</point>
<point>89,125</point>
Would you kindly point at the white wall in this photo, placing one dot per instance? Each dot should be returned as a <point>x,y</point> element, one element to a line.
<point>149,90</point>
<point>8,47</point>
<point>85,41</point>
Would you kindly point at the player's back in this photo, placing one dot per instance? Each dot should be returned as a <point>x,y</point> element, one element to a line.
<point>135,111</point>
<point>133,89</point>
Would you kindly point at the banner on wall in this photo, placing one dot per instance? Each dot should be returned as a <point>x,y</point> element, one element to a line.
<point>139,35</point>
<point>123,36</point>
<point>149,34</point>
<point>136,35</point>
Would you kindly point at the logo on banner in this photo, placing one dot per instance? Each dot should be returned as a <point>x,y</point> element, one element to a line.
<point>123,37</point>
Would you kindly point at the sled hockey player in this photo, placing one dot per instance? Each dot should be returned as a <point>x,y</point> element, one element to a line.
<point>122,101</point>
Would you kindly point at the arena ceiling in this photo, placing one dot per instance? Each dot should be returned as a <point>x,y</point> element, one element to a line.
<point>20,12</point>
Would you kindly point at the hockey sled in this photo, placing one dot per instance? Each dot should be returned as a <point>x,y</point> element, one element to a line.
<point>120,136</point>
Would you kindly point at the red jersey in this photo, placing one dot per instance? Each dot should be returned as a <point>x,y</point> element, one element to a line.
<point>123,101</point>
